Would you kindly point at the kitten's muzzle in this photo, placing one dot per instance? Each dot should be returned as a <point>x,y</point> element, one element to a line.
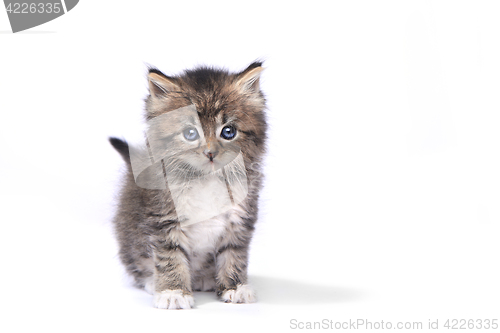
<point>210,154</point>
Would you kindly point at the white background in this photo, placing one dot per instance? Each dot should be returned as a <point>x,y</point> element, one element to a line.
<point>383,185</point>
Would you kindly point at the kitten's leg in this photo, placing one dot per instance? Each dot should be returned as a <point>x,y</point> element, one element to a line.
<point>144,275</point>
<point>231,266</point>
<point>172,278</point>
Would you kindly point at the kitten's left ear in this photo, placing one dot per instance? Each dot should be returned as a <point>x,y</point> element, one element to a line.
<point>160,84</point>
<point>248,80</point>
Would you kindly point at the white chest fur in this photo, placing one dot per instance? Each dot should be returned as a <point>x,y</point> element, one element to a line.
<point>205,208</point>
<point>203,236</point>
<point>200,199</point>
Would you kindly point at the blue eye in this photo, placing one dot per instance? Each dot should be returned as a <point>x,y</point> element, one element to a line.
<point>228,133</point>
<point>191,134</point>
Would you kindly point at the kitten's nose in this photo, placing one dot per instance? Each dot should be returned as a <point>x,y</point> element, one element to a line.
<point>210,154</point>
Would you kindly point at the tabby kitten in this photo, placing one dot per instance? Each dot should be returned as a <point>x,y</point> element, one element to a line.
<point>190,197</point>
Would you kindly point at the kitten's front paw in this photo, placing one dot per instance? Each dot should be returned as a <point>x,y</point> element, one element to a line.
<point>173,299</point>
<point>243,294</point>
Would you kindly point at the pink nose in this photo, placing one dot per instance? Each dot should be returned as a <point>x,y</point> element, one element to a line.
<point>210,154</point>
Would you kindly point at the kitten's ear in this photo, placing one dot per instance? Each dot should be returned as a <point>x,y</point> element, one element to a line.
<point>160,84</point>
<point>248,80</point>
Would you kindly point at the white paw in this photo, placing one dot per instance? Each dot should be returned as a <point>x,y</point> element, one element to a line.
<point>173,299</point>
<point>243,294</point>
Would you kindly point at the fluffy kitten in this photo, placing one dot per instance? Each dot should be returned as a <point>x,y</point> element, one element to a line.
<point>189,202</point>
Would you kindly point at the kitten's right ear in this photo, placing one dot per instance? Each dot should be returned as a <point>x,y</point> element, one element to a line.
<point>248,80</point>
<point>160,84</point>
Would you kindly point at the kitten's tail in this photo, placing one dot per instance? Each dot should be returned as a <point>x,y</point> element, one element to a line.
<point>122,147</point>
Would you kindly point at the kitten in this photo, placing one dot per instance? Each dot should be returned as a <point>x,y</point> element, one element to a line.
<point>190,197</point>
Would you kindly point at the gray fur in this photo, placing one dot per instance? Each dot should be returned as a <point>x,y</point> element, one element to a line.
<point>157,247</point>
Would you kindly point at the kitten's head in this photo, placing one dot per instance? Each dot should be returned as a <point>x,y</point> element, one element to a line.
<point>204,118</point>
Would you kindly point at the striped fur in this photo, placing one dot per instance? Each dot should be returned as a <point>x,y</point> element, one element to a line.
<point>167,255</point>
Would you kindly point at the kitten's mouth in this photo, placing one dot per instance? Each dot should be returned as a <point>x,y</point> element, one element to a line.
<point>213,165</point>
